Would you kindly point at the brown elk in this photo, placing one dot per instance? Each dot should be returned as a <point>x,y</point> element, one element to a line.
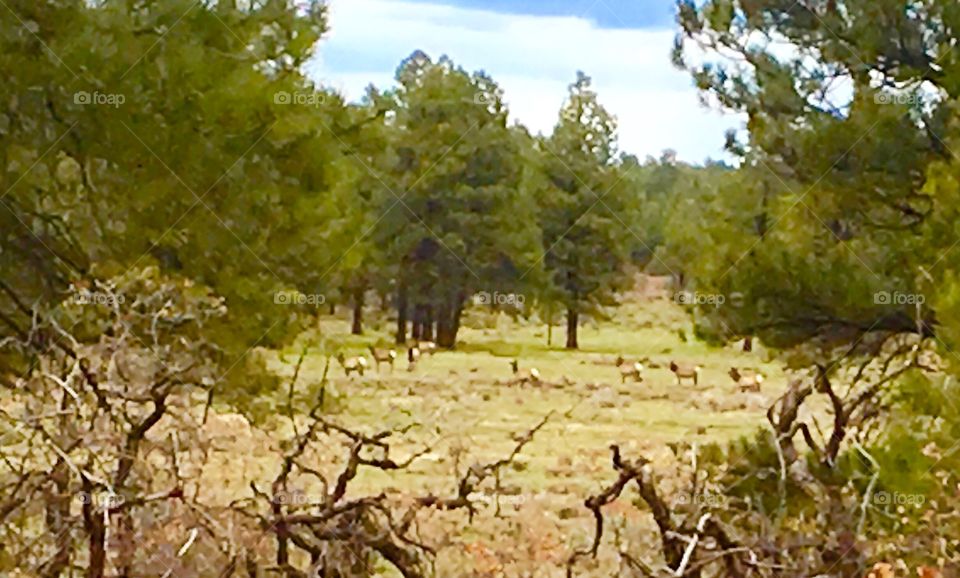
<point>628,370</point>
<point>383,356</point>
<point>685,371</point>
<point>747,379</point>
<point>427,347</point>
<point>413,356</point>
<point>522,376</point>
<point>353,364</point>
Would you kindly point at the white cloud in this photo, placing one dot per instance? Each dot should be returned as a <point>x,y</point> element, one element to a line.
<point>533,58</point>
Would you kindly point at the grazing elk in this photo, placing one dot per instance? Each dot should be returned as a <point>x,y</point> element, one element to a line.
<point>427,347</point>
<point>353,364</point>
<point>685,371</point>
<point>523,376</point>
<point>747,379</point>
<point>383,356</point>
<point>628,370</point>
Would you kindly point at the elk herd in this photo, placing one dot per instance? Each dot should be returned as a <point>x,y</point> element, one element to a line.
<point>359,364</point>
<point>747,380</point>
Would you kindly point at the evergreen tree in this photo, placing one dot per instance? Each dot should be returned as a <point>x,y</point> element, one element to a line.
<point>583,207</point>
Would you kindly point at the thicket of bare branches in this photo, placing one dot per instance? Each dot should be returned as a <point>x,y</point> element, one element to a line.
<point>107,439</point>
<point>804,498</point>
<point>104,449</point>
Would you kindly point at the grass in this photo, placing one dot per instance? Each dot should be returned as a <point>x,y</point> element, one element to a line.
<point>463,408</point>
<point>461,405</point>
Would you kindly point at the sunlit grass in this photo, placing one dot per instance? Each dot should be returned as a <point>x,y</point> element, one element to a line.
<point>462,401</point>
<point>462,406</point>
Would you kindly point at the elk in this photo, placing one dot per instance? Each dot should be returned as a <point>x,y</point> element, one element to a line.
<point>521,377</point>
<point>685,371</point>
<point>427,347</point>
<point>352,364</point>
<point>748,379</point>
<point>383,356</point>
<point>628,370</point>
<point>413,356</point>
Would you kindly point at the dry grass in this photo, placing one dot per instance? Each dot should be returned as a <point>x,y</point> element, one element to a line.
<point>460,405</point>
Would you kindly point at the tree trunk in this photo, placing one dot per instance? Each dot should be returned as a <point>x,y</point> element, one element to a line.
<point>573,320</point>
<point>358,298</point>
<point>333,308</point>
<point>96,534</point>
<point>748,343</point>
<point>126,544</point>
<point>57,519</point>
<point>549,334</point>
<point>457,315</point>
<point>426,332</point>
<point>417,322</point>
<point>401,314</point>
<point>58,507</point>
<point>443,325</point>
<point>448,321</point>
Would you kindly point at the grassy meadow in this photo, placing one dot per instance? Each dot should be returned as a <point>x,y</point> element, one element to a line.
<point>461,407</point>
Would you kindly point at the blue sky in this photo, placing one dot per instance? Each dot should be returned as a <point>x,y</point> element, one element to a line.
<point>605,13</point>
<point>533,49</point>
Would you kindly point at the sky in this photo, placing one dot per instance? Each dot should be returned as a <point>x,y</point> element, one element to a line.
<point>533,49</point>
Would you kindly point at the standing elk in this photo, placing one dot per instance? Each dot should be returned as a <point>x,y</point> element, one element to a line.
<point>352,364</point>
<point>747,379</point>
<point>413,356</point>
<point>685,371</point>
<point>427,347</point>
<point>628,370</point>
<point>522,376</point>
<point>383,356</point>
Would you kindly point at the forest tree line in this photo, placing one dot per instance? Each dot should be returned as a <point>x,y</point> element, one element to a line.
<point>212,156</point>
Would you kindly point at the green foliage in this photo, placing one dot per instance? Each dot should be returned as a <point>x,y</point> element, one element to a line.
<point>843,194</point>
<point>455,218</point>
<point>583,205</point>
<point>186,136</point>
<point>149,135</point>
